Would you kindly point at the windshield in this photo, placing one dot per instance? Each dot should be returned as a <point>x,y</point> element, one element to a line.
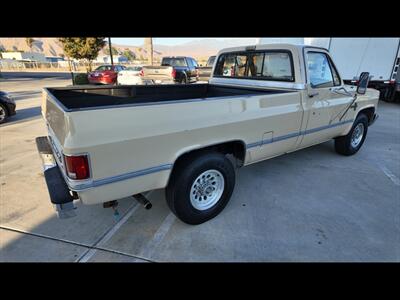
<point>174,61</point>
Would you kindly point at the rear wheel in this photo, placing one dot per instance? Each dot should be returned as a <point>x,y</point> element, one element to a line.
<point>352,142</point>
<point>3,113</point>
<point>183,80</point>
<point>200,187</point>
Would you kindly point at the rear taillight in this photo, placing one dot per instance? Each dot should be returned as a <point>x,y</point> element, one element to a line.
<point>173,73</point>
<point>141,73</point>
<point>77,167</point>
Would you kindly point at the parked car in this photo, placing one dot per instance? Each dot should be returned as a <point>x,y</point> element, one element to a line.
<point>205,72</point>
<point>179,69</point>
<point>107,143</point>
<point>7,106</point>
<point>130,76</point>
<point>106,74</point>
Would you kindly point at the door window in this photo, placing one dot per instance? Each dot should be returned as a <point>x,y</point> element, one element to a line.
<point>319,70</point>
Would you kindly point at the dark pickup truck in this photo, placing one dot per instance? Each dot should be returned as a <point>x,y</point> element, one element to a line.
<point>173,69</point>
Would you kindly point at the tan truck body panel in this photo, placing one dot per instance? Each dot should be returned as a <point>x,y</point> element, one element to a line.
<point>133,149</point>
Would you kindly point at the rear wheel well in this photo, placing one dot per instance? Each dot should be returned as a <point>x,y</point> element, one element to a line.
<point>236,148</point>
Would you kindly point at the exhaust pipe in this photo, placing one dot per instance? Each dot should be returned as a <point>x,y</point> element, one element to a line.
<point>143,200</point>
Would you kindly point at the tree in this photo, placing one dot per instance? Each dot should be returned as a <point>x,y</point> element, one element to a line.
<point>29,42</point>
<point>83,48</point>
<point>114,51</point>
<point>129,54</point>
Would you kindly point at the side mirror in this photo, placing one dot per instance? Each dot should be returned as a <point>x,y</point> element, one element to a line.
<point>363,83</point>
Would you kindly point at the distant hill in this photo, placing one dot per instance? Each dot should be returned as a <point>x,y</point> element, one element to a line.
<point>198,49</point>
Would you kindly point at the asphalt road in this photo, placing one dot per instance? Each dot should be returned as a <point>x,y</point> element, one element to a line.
<point>311,205</point>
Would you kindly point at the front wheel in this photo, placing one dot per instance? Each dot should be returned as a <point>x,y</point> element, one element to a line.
<point>352,142</point>
<point>200,187</point>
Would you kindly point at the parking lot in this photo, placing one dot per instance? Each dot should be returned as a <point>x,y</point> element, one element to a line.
<point>311,205</point>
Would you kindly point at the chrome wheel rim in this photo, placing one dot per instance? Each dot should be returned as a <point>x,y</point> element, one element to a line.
<point>207,189</point>
<point>2,114</point>
<point>357,135</point>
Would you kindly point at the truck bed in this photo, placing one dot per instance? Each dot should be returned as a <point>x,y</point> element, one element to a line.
<point>89,97</point>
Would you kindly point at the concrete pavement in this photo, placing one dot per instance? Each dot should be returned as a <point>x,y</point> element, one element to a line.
<point>311,205</point>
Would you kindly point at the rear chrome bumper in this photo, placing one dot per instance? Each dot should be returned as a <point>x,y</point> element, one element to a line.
<point>60,195</point>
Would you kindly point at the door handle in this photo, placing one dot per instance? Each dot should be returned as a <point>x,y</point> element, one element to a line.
<point>312,94</point>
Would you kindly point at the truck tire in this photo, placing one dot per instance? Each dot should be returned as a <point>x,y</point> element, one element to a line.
<point>200,187</point>
<point>3,113</point>
<point>352,142</point>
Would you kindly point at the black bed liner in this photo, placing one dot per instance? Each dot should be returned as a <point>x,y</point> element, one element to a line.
<point>84,97</point>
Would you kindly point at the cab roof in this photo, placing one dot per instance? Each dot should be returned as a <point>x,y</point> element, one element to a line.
<point>292,47</point>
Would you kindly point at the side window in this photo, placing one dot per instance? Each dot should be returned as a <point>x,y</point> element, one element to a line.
<point>319,70</point>
<point>194,63</point>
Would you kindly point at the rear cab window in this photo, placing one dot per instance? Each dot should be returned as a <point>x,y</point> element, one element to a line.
<point>274,65</point>
<point>174,61</point>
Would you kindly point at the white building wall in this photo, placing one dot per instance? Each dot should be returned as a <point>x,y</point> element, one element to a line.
<point>34,56</point>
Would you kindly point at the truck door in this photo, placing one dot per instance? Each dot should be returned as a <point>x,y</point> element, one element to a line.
<point>325,101</point>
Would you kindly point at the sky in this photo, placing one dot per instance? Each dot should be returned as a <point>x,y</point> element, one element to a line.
<point>159,41</point>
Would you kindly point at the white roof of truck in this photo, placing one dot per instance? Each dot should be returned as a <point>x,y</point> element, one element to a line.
<point>293,47</point>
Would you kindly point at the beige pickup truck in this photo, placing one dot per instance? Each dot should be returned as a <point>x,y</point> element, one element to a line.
<point>105,143</point>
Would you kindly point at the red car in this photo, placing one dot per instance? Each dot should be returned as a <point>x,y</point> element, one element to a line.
<point>106,74</point>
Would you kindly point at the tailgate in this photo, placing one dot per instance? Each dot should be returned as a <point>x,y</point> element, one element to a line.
<point>54,114</point>
<point>162,73</point>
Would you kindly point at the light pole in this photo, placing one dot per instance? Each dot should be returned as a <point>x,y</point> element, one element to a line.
<point>111,55</point>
